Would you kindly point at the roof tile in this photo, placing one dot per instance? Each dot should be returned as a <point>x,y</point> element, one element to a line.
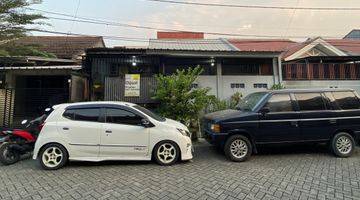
<point>67,47</point>
<point>349,46</point>
<point>262,45</point>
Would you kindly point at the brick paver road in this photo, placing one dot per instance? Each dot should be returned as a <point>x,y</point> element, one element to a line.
<point>309,173</point>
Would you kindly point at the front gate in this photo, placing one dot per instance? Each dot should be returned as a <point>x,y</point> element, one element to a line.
<point>115,90</point>
<point>6,107</point>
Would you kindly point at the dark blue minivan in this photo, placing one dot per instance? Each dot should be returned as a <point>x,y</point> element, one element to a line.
<point>329,116</point>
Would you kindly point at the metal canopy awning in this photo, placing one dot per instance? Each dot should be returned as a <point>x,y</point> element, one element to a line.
<point>177,52</point>
<point>54,67</point>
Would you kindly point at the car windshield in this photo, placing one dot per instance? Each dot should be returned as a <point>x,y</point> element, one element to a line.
<point>150,114</point>
<point>250,101</point>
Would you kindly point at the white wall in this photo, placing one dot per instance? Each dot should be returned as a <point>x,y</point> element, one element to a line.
<point>323,84</point>
<point>225,90</point>
<point>207,81</point>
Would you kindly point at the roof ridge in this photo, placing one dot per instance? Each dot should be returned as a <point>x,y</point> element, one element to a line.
<point>230,45</point>
<point>260,40</point>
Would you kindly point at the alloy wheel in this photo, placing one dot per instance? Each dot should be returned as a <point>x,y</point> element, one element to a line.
<point>166,153</point>
<point>344,145</point>
<point>238,148</point>
<point>52,157</point>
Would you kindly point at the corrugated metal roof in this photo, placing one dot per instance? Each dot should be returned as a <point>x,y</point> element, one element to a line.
<point>72,67</point>
<point>191,44</point>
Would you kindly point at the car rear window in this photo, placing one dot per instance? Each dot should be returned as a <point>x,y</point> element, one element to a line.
<point>346,100</point>
<point>310,101</point>
<point>84,114</point>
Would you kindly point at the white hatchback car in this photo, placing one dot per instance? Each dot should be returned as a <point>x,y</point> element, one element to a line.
<point>98,131</point>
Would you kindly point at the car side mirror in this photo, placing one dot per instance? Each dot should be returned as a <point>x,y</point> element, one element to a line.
<point>146,123</point>
<point>264,110</point>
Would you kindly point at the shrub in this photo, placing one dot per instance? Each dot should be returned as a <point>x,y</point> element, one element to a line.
<point>178,100</point>
<point>278,86</point>
<point>214,104</point>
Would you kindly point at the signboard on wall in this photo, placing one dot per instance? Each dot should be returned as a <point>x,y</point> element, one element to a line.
<point>132,85</point>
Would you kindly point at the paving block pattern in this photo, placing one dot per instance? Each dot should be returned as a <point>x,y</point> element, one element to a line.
<point>283,173</point>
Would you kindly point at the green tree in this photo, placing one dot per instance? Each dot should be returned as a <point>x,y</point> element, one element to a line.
<point>13,21</point>
<point>178,99</point>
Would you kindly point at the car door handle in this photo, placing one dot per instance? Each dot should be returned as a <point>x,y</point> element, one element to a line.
<point>332,121</point>
<point>66,128</point>
<point>294,123</point>
<point>108,131</point>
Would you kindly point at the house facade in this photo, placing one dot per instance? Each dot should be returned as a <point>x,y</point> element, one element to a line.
<point>230,65</point>
<point>320,63</point>
<point>226,69</point>
<point>85,70</point>
<point>29,84</point>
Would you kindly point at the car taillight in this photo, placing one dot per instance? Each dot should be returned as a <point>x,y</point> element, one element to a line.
<point>41,126</point>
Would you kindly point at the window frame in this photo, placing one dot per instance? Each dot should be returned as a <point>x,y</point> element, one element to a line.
<point>291,102</point>
<point>241,69</point>
<point>83,108</point>
<point>323,97</point>
<point>102,108</point>
<point>127,110</point>
<point>337,104</point>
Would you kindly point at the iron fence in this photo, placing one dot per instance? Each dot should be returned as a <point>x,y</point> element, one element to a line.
<point>115,90</point>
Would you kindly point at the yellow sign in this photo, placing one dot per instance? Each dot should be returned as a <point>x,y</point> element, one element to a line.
<point>132,85</point>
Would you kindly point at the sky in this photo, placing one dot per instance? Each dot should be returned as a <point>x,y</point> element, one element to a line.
<point>283,23</point>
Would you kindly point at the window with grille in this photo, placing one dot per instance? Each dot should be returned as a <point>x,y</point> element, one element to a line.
<point>237,85</point>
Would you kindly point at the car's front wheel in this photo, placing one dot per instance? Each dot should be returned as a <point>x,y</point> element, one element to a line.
<point>343,145</point>
<point>53,156</point>
<point>166,153</point>
<point>238,148</point>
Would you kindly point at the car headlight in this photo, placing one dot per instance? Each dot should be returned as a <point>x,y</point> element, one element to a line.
<point>184,132</point>
<point>215,128</point>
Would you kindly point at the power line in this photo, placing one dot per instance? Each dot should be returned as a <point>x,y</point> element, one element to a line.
<point>90,35</point>
<point>72,24</point>
<point>167,24</point>
<point>112,23</point>
<point>75,15</point>
<point>178,30</point>
<point>109,23</point>
<point>257,6</point>
<point>291,18</point>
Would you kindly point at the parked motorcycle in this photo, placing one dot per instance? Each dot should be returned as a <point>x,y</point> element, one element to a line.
<point>18,142</point>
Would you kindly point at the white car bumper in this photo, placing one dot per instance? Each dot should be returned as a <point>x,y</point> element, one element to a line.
<point>187,150</point>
